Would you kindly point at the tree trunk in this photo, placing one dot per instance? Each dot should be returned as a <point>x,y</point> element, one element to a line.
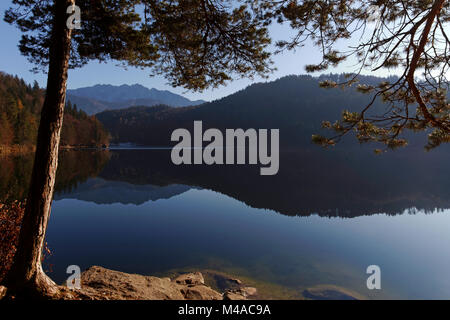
<point>26,276</point>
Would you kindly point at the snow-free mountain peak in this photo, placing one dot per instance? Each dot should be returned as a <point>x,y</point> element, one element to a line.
<point>102,97</point>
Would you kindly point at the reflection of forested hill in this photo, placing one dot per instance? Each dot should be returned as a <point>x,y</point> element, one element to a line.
<point>15,173</point>
<point>330,183</point>
<point>101,191</point>
<point>74,168</point>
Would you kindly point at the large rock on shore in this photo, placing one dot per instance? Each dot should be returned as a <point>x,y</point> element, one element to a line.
<point>200,292</point>
<point>103,284</point>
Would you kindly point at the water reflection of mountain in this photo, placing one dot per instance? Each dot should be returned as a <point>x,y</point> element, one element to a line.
<point>101,191</point>
<point>345,183</point>
<point>331,183</point>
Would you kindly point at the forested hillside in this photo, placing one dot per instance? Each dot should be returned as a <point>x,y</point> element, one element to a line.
<point>79,129</point>
<point>296,105</point>
<point>20,107</point>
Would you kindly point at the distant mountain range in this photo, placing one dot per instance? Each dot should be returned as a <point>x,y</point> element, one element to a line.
<point>108,97</point>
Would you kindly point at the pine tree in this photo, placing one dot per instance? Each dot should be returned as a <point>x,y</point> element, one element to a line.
<point>195,44</point>
<point>409,36</point>
<point>35,85</point>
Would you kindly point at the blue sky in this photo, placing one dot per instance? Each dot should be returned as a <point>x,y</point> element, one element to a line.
<point>12,62</point>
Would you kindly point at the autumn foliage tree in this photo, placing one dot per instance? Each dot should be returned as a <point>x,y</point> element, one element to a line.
<point>82,130</point>
<point>20,108</point>
<point>194,43</point>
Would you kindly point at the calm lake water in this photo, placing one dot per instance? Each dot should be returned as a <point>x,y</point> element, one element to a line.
<point>321,221</point>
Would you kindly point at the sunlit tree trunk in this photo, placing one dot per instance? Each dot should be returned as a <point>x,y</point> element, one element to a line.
<point>26,275</point>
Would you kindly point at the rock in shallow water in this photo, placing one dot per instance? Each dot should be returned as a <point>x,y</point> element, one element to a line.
<point>240,294</point>
<point>190,278</point>
<point>233,296</point>
<point>329,292</point>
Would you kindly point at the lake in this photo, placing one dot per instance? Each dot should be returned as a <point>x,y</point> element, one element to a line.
<point>322,220</point>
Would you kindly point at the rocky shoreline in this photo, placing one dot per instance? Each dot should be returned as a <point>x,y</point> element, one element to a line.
<point>98,283</point>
